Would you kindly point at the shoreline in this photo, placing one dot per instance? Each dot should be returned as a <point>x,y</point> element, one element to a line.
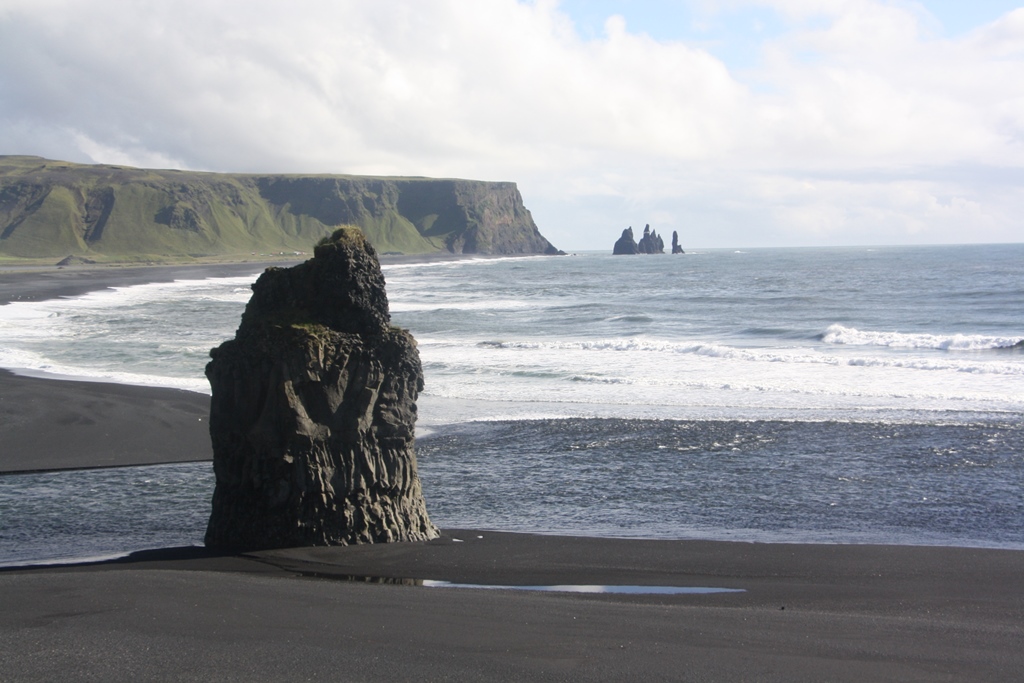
<point>31,284</point>
<point>41,282</point>
<point>844,612</point>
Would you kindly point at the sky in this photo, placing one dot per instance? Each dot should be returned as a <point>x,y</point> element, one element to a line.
<point>737,123</point>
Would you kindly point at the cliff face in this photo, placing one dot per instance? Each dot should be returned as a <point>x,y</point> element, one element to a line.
<point>110,213</point>
<point>313,411</point>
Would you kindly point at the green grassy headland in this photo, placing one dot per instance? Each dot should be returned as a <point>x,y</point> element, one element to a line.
<point>51,210</point>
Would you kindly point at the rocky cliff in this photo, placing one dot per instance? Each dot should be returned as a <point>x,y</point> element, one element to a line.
<point>313,411</point>
<point>53,209</point>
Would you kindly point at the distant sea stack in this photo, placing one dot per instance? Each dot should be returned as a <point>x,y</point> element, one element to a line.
<point>626,244</point>
<point>676,248</point>
<point>313,411</point>
<point>650,243</point>
<point>56,209</point>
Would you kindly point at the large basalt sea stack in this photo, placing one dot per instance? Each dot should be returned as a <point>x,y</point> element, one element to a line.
<point>313,411</point>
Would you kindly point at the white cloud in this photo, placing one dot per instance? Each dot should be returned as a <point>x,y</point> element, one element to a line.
<point>856,91</point>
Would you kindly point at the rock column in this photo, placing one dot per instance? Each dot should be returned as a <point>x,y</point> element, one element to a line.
<point>313,411</point>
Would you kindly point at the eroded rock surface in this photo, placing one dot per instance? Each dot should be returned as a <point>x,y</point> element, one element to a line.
<point>313,411</point>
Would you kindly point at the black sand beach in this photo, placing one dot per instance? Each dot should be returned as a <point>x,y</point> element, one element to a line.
<point>850,613</point>
<point>808,612</point>
<point>37,283</point>
<point>48,424</point>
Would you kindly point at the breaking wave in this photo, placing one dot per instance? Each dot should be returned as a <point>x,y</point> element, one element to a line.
<point>838,334</point>
<point>34,364</point>
<point>802,355</point>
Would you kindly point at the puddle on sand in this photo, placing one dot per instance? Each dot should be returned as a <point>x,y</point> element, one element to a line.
<point>582,588</point>
<point>597,589</point>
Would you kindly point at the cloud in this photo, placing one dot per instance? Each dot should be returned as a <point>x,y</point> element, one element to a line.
<point>833,136</point>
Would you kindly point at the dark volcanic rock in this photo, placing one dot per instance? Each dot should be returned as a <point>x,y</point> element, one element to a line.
<point>313,411</point>
<point>651,243</point>
<point>74,260</point>
<point>626,244</point>
<point>676,249</point>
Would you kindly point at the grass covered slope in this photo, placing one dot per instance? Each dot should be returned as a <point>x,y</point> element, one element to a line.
<point>53,209</point>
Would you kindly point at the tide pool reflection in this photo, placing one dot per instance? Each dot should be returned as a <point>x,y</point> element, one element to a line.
<point>584,588</point>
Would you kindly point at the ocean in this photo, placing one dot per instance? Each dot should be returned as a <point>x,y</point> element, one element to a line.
<point>827,395</point>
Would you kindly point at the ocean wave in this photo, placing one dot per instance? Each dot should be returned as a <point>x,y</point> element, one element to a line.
<point>233,290</point>
<point>27,362</point>
<point>849,336</point>
<point>453,263</point>
<point>630,318</point>
<point>801,355</point>
<point>594,379</point>
<point>397,305</point>
<point>156,291</point>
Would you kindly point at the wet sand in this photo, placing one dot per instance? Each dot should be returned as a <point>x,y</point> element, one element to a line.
<point>808,612</point>
<point>49,424</point>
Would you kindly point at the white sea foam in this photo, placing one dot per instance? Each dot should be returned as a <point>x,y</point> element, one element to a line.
<point>397,305</point>
<point>230,288</point>
<point>802,355</point>
<point>143,334</point>
<point>36,365</point>
<point>838,334</point>
<point>454,263</point>
<point>668,379</point>
<point>159,334</point>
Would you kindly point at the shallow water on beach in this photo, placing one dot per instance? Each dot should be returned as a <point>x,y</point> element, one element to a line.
<point>828,482</point>
<point>793,482</point>
<point>85,514</point>
<point>803,395</point>
<point>593,589</point>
